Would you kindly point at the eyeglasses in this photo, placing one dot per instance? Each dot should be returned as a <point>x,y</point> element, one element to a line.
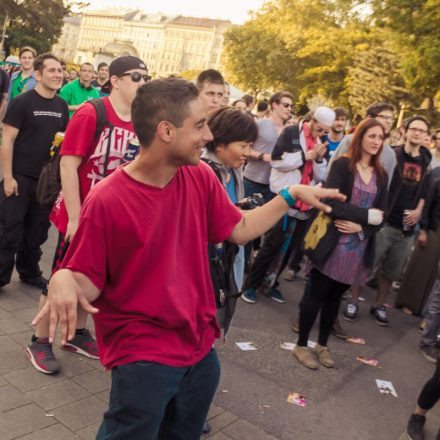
<point>286,105</point>
<point>417,130</point>
<point>136,76</point>
<point>385,117</point>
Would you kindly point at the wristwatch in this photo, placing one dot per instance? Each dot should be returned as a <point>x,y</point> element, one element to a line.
<point>261,157</point>
<point>285,194</point>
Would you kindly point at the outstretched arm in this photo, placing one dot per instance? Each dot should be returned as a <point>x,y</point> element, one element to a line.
<point>256,222</point>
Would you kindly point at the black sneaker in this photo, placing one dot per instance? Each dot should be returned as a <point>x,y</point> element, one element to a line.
<point>206,428</point>
<point>350,312</point>
<point>431,353</point>
<point>380,314</point>
<point>415,427</point>
<point>84,344</point>
<point>39,282</point>
<point>338,331</point>
<point>40,353</point>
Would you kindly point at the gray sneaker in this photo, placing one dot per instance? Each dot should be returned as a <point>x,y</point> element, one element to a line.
<point>290,275</point>
<point>40,353</point>
<point>83,344</point>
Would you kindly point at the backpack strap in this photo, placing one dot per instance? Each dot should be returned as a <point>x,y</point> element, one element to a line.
<point>212,165</point>
<point>101,123</point>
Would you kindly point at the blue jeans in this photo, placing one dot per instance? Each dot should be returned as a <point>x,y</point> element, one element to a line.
<point>150,401</point>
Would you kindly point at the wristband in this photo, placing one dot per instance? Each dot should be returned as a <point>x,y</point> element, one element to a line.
<point>261,157</point>
<point>285,194</point>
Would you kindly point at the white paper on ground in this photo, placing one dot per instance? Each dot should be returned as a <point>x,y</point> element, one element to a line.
<point>246,346</point>
<point>386,387</point>
<point>292,345</point>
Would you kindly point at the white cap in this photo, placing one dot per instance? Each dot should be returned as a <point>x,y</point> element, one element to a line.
<point>324,115</point>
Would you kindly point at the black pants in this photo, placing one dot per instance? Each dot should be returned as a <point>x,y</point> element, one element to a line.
<point>273,240</point>
<point>322,294</point>
<point>24,224</point>
<point>430,394</point>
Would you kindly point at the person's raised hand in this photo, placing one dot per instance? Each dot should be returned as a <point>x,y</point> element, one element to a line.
<point>312,195</point>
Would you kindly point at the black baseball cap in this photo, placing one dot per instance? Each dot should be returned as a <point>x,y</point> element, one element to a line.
<point>123,64</point>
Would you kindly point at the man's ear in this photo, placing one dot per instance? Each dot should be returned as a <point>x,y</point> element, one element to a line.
<point>165,131</point>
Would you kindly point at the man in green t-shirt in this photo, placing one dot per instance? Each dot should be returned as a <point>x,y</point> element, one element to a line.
<point>24,79</point>
<point>81,90</point>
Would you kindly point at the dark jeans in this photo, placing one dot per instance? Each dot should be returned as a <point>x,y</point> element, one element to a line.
<point>24,224</point>
<point>150,401</point>
<point>273,240</point>
<point>430,394</point>
<point>251,187</point>
<point>322,294</point>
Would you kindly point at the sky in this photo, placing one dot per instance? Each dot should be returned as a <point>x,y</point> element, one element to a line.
<point>234,10</point>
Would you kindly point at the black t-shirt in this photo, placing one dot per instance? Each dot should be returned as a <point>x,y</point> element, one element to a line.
<point>37,119</point>
<point>411,179</point>
<point>4,83</point>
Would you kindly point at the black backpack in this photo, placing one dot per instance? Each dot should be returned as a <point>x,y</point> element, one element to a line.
<point>49,182</point>
<point>221,265</point>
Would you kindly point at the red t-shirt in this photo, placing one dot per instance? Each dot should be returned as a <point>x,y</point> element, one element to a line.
<point>145,249</point>
<point>78,142</point>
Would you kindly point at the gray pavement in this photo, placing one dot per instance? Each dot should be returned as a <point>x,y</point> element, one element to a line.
<point>343,403</point>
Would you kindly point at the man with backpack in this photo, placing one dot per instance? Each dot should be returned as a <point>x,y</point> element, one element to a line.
<point>98,139</point>
<point>30,124</point>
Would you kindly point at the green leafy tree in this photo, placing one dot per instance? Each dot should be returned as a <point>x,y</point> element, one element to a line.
<point>416,32</point>
<point>37,23</point>
<point>374,77</point>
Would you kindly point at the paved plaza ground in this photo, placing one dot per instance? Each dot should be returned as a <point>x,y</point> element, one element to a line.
<point>343,403</point>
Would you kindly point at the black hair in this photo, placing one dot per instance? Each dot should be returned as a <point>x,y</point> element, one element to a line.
<point>375,109</point>
<point>262,106</point>
<point>159,100</point>
<point>340,112</point>
<point>39,61</point>
<point>276,97</point>
<point>231,125</point>
<point>410,120</point>
<point>102,65</point>
<point>237,100</point>
<point>211,76</point>
<point>248,99</point>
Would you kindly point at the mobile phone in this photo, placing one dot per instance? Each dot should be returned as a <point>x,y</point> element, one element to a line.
<point>323,139</point>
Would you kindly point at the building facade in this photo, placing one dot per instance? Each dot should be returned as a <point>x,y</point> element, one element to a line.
<point>169,44</point>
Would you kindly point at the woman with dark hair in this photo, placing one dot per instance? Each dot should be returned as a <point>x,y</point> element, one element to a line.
<point>234,133</point>
<point>345,253</point>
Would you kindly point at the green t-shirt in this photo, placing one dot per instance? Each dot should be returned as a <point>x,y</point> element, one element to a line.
<point>74,94</point>
<point>18,86</point>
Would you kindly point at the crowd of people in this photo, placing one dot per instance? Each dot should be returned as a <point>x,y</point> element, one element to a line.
<point>345,206</point>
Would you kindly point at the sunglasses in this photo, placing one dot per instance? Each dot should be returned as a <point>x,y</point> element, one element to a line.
<point>286,105</point>
<point>136,76</point>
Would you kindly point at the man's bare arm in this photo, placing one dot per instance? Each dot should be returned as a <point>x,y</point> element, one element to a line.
<point>256,222</point>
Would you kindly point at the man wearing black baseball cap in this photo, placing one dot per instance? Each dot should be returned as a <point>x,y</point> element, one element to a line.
<point>84,163</point>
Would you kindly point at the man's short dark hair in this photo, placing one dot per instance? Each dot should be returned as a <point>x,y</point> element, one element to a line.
<point>86,64</point>
<point>100,65</point>
<point>231,125</point>
<point>276,97</point>
<point>248,100</point>
<point>63,63</point>
<point>262,106</point>
<point>340,112</point>
<point>211,76</point>
<point>39,61</point>
<point>375,109</point>
<point>159,100</point>
<point>410,120</point>
<point>27,49</point>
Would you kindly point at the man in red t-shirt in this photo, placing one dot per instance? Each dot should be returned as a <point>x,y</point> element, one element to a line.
<point>83,165</point>
<point>139,255</point>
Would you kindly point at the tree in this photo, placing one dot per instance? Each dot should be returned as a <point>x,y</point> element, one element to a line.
<point>37,23</point>
<point>416,31</point>
<point>375,77</point>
